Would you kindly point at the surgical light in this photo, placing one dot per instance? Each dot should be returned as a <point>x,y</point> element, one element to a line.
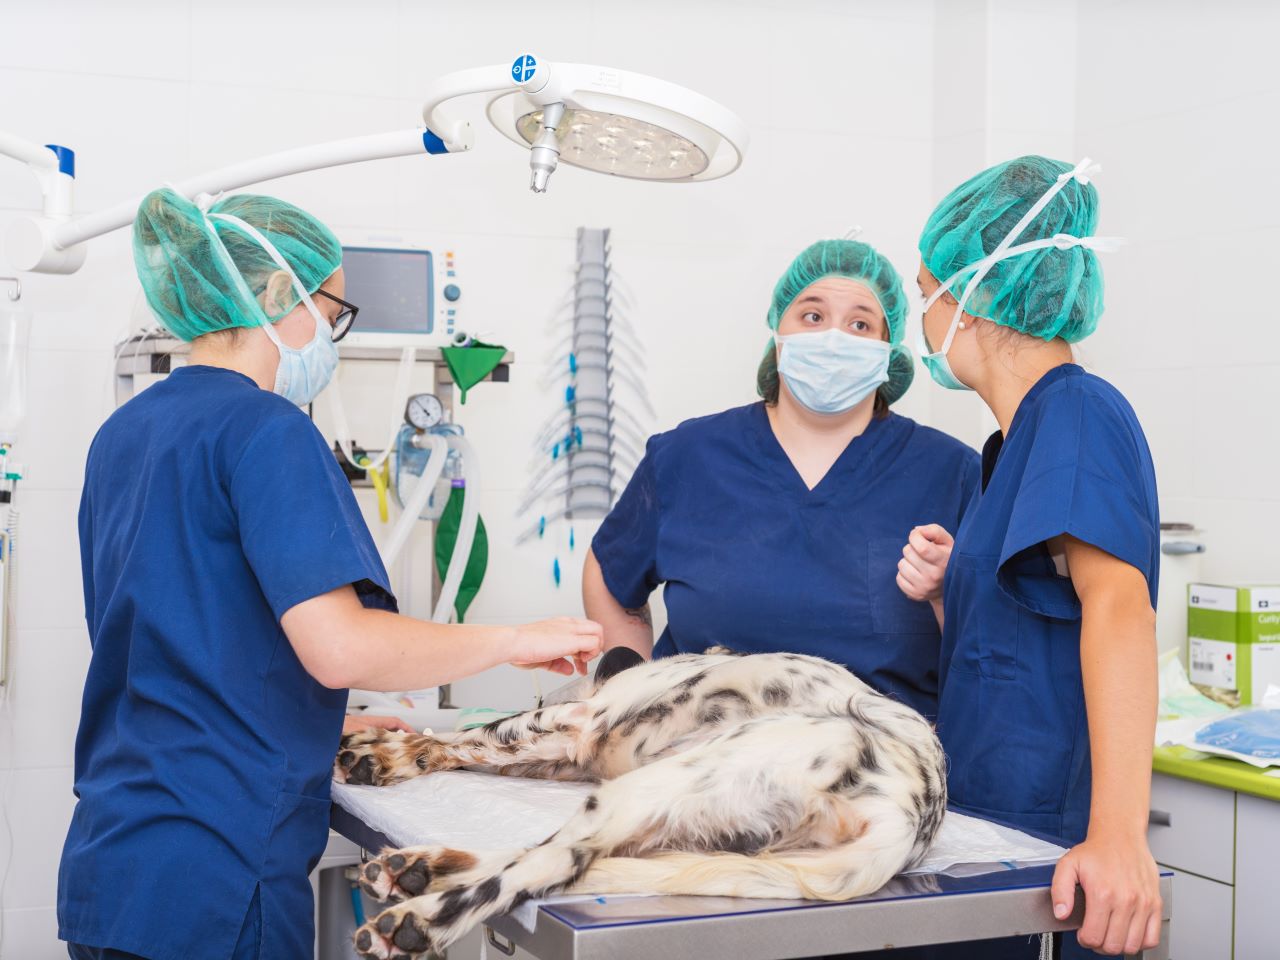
<point>608,121</point>
<point>619,146</point>
<point>617,122</point>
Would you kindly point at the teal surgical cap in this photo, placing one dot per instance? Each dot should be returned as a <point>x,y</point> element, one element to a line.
<point>201,275</point>
<point>860,262</point>
<point>1051,292</point>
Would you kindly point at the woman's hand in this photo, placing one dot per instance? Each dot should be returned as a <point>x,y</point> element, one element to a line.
<point>354,723</point>
<point>1122,904</point>
<point>924,562</point>
<point>563,645</point>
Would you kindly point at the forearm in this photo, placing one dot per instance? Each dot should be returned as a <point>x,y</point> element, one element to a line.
<point>1118,662</point>
<point>341,644</point>
<point>386,651</point>
<point>622,627</point>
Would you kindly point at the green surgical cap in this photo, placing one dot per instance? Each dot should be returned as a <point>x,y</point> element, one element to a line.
<point>188,280</point>
<point>863,263</point>
<point>1045,293</point>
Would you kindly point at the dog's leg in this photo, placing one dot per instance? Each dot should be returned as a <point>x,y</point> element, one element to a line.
<point>835,873</point>
<point>751,791</point>
<point>412,871</point>
<point>548,741</point>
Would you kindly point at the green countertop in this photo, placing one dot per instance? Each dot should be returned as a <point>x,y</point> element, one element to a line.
<point>1217,772</point>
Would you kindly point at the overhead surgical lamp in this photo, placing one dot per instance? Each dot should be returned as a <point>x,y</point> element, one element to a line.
<point>614,122</point>
<point>610,121</point>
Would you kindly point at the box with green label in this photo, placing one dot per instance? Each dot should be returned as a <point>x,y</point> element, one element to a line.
<point>1233,640</point>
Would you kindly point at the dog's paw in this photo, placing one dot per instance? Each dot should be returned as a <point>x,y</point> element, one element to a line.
<point>431,922</point>
<point>720,650</point>
<point>377,757</point>
<point>398,933</point>
<point>403,874</point>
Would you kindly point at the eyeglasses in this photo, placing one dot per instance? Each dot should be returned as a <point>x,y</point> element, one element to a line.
<point>346,317</point>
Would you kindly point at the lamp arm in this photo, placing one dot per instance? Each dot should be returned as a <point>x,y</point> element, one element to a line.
<point>55,183</point>
<point>443,135</point>
<point>488,79</point>
<point>38,157</point>
<point>318,156</point>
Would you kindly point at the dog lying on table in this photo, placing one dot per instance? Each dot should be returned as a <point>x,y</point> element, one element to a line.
<point>765,775</point>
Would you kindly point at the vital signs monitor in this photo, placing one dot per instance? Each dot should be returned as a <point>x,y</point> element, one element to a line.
<point>408,296</point>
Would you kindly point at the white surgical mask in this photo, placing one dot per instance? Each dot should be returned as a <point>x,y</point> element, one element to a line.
<point>936,361</point>
<point>832,371</point>
<point>303,371</point>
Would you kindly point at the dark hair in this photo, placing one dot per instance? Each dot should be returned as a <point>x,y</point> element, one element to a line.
<point>768,386</point>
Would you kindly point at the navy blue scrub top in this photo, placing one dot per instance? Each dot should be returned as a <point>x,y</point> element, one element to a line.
<point>1011,715</point>
<point>754,560</point>
<point>205,750</point>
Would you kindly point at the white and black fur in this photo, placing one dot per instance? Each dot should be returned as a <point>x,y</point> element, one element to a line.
<point>769,775</point>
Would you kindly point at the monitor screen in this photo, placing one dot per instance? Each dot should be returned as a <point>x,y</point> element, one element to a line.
<point>392,288</point>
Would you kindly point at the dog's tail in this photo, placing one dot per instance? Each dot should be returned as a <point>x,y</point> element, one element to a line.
<point>849,870</point>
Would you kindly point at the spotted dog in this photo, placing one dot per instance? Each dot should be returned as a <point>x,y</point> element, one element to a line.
<point>769,775</point>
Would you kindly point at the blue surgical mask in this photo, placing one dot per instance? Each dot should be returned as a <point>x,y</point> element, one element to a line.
<point>303,371</point>
<point>832,371</point>
<point>936,363</point>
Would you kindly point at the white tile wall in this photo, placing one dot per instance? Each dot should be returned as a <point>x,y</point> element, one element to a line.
<point>959,51</point>
<point>1167,410</point>
<point>123,129</point>
<point>48,590</point>
<point>1031,72</point>
<point>313,46</point>
<point>1187,334</point>
<point>39,804</point>
<point>54,456</point>
<point>32,934</point>
<point>147,39</point>
<point>1135,56</point>
<point>231,122</point>
<point>48,670</point>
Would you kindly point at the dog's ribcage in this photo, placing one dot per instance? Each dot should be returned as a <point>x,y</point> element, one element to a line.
<point>766,775</point>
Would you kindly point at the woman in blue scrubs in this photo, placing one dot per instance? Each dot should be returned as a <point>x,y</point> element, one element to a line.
<point>1048,673</point>
<point>780,525</point>
<point>233,593</point>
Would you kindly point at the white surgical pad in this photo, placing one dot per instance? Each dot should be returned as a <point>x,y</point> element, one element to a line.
<point>483,811</point>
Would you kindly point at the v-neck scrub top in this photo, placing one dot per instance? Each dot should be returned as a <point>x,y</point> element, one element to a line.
<point>205,750</point>
<point>1012,714</point>
<point>750,558</point>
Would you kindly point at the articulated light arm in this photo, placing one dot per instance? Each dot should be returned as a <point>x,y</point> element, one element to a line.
<point>498,76</point>
<point>379,146</point>
<point>39,159</point>
<point>51,242</point>
<point>640,110</point>
<point>53,167</point>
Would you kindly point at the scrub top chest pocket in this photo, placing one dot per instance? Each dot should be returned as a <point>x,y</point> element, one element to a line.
<point>892,612</point>
<point>987,631</point>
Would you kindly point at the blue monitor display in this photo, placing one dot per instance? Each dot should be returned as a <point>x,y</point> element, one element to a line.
<point>392,288</point>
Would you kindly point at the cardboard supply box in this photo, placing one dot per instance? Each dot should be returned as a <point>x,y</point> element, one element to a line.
<point>1233,640</point>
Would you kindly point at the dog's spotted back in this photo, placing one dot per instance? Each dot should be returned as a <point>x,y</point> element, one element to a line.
<point>773,775</point>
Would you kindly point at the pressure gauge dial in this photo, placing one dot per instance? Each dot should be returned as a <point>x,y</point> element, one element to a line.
<point>423,411</point>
